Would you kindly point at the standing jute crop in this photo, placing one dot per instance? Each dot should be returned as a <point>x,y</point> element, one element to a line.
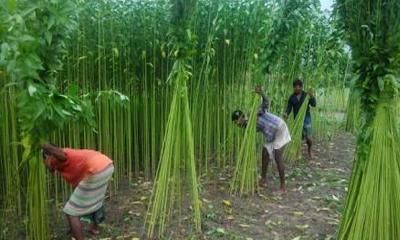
<point>177,164</point>
<point>176,173</point>
<point>245,176</point>
<point>372,206</point>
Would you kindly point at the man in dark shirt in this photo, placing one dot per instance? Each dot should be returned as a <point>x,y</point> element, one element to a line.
<point>294,103</point>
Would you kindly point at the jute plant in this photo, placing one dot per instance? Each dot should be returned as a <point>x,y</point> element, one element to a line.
<point>176,174</point>
<point>353,112</point>
<point>177,165</point>
<point>372,206</point>
<point>244,181</point>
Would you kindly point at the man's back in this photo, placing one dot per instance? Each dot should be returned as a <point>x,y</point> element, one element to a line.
<point>82,163</point>
<point>268,124</point>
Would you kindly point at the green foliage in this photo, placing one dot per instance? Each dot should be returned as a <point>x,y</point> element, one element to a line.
<point>289,18</point>
<point>183,41</point>
<point>32,49</point>
<point>301,42</point>
<point>34,42</point>
<point>43,110</point>
<point>31,52</point>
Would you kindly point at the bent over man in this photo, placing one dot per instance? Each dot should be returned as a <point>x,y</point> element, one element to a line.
<point>89,173</point>
<point>276,134</point>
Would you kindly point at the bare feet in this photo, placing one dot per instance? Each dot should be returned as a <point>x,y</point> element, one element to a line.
<point>94,229</point>
<point>94,232</point>
<point>282,190</point>
<point>307,155</point>
<point>263,183</point>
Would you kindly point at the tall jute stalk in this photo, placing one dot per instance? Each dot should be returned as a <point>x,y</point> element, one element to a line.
<point>9,154</point>
<point>353,112</point>
<point>373,203</point>
<point>177,165</point>
<point>176,173</point>
<point>372,207</point>
<point>295,124</point>
<point>244,180</point>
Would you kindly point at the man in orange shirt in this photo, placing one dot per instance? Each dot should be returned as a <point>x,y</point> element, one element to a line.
<point>88,172</point>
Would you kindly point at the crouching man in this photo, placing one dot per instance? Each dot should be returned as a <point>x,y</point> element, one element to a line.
<point>276,134</point>
<point>89,173</point>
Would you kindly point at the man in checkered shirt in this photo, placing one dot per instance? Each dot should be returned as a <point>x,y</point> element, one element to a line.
<point>276,134</point>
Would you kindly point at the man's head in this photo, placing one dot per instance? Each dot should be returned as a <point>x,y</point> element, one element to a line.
<point>52,156</point>
<point>239,118</point>
<point>49,160</point>
<point>297,86</point>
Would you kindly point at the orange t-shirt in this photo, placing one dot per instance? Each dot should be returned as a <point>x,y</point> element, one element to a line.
<point>81,163</point>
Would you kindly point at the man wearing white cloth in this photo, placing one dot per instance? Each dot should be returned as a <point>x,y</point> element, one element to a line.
<point>276,134</point>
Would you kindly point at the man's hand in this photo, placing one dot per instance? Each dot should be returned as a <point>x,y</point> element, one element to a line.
<point>311,92</point>
<point>259,89</point>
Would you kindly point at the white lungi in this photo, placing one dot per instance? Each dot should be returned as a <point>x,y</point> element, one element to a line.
<point>282,138</point>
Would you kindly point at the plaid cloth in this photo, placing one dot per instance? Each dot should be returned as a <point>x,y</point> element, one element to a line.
<point>268,124</point>
<point>88,196</point>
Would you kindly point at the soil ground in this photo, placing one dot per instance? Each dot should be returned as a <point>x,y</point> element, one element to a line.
<point>309,210</point>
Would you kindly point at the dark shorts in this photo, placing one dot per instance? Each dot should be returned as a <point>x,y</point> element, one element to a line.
<point>307,129</point>
<point>97,217</point>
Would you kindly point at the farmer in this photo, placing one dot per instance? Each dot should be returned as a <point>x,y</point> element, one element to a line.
<point>294,103</point>
<point>277,136</point>
<point>88,172</point>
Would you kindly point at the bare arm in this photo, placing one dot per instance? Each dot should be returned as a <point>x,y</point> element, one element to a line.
<point>265,101</point>
<point>288,108</point>
<point>312,101</point>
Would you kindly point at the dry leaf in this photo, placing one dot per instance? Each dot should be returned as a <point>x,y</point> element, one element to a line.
<point>227,203</point>
<point>298,213</point>
<point>305,226</point>
<point>322,209</point>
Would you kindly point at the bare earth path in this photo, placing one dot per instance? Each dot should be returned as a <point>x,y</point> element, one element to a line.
<point>309,210</point>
